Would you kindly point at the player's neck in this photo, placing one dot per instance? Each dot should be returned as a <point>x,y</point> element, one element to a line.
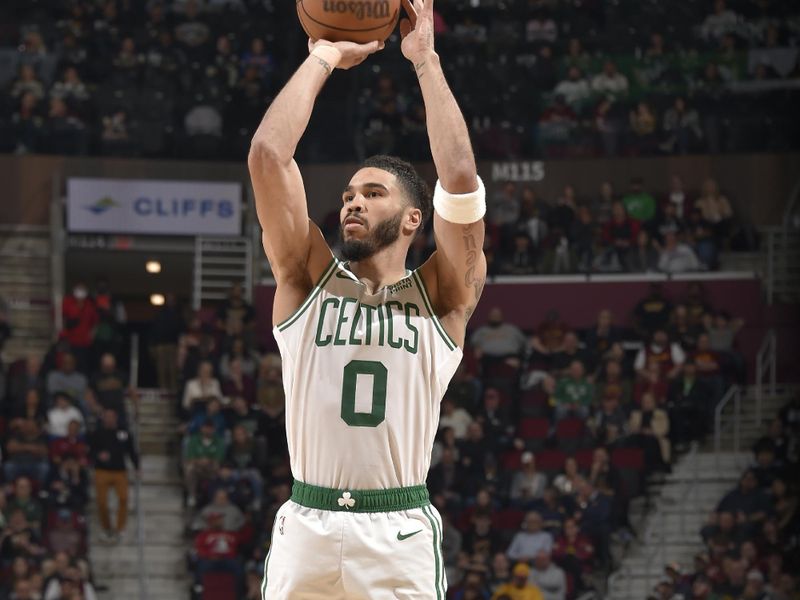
<point>383,268</point>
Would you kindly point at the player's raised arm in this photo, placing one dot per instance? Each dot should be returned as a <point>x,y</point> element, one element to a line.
<point>294,246</point>
<point>459,264</point>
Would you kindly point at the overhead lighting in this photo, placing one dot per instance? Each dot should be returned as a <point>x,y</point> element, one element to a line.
<point>157,299</point>
<point>153,266</point>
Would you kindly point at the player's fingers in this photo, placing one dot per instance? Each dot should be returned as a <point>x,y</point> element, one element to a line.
<point>405,28</point>
<point>412,12</point>
<point>429,6</point>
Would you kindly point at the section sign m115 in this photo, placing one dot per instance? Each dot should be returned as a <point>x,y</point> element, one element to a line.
<point>154,207</point>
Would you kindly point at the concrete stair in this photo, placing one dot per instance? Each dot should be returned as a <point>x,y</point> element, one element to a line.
<point>25,284</point>
<point>670,530</point>
<point>117,566</point>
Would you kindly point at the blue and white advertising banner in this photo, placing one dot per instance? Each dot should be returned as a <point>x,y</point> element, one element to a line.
<point>154,207</point>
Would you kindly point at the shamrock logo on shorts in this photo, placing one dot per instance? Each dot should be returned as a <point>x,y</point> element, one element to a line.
<point>347,501</point>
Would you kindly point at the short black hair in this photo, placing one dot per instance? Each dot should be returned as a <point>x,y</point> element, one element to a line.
<point>418,192</point>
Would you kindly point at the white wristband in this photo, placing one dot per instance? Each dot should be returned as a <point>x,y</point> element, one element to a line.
<point>460,208</point>
<point>330,55</point>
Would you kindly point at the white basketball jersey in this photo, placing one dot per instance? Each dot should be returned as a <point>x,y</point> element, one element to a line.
<point>364,375</point>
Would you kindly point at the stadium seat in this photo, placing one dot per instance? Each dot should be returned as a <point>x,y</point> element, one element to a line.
<point>550,461</point>
<point>508,519</point>
<point>630,464</point>
<point>219,586</point>
<point>535,432</point>
<point>571,434</point>
<point>584,458</point>
<point>533,403</point>
<point>512,461</point>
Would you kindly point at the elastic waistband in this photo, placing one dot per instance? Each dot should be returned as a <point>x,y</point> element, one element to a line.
<point>360,501</point>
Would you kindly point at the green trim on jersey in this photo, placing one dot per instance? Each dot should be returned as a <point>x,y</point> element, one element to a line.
<point>310,298</point>
<point>360,501</point>
<point>436,551</point>
<point>421,285</point>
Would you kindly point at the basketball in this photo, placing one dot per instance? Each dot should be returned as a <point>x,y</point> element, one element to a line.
<point>360,21</point>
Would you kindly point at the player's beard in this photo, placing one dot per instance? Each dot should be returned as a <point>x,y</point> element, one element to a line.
<point>384,234</point>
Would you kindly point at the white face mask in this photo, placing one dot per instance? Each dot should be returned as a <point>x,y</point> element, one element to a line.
<point>80,293</point>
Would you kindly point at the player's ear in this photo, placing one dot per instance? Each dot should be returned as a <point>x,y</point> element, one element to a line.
<point>413,219</point>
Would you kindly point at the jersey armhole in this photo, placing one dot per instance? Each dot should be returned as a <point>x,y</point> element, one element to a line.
<point>326,275</point>
<point>451,345</point>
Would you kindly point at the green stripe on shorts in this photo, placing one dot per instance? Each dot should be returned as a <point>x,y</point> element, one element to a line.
<point>436,549</point>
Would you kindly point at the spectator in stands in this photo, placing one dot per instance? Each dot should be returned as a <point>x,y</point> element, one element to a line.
<point>67,380</point>
<point>111,444</point>
<point>610,82</point>
<point>232,517</point>
<point>454,417</point>
<point>558,121</point>
<point>192,30</point>
<point>649,428</point>
<point>722,21</point>
<point>691,405</point>
<point>639,204</point>
<point>80,318</point>
<point>709,365</point>
<point>204,452</point>
<point>549,336</point>
<point>593,514</point>
<point>239,350</point>
<point>643,257</point>
<point>28,124</point>
<point>612,384</point>
<point>599,339</point>
<point>519,588</point>
<point>532,539</point>
<point>677,256</point>
<point>70,88</point>
<point>682,128</point>
<point>109,386</point>
<point>574,89</point>
<point>667,354</point>
<point>31,407</point>
<point>583,235</point>
<point>619,236</point>
<point>653,311</point>
<point>722,331</point>
<point>567,481</point>
<point>27,83</point>
<point>668,221</point>
<point>548,577</point>
<point>573,551</point>
<point>212,411</point>
<point>716,209</point>
<point>652,380</point>
<point>216,549</point>
<point>681,330</point>
<point>245,456</point>
<point>21,381</point>
<point>504,209</point>
<point>236,316</point>
<point>61,415</point>
<point>498,341</point>
<point>533,216</point>
<point>201,389</point>
<point>26,453</point>
<point>73,444</point>
<point>128,60</point>
<point>528,484</point>
<point>570,351</point>
<point>643,124</point>
<point>573,394</point>
<point>747,502</point>
<point>521,260</point>
<point>24,501</point>
<point>258,57</point>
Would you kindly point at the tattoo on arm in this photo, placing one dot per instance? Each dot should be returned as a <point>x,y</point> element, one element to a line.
<point>418,68</point>
<point>470,280</point>
<point>324,64</point>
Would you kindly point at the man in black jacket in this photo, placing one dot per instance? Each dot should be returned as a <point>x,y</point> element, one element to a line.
<point>110,444</point>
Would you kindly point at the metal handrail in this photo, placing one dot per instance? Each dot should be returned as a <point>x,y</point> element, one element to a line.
<point>766,361</point>
<point>137,488</point>
<point>734,393</point>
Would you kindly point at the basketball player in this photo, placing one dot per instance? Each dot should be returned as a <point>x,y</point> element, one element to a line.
<point>368,348</point>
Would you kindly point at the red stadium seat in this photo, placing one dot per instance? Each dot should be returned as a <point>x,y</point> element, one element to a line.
<point>219,586</point>
<point>584,458</point>
<point>534,429</point>
<point>628,458</point>
<point>534,403</point>
<point>570,428</point>
<point>508,519</point>
<point>551,461</point>
<point>512,461</point>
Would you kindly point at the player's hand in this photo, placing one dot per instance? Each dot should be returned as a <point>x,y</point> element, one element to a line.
<point>417,31</point>
<point>352,54</point>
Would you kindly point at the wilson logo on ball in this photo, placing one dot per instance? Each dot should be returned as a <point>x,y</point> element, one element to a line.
<point>360,10</point>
